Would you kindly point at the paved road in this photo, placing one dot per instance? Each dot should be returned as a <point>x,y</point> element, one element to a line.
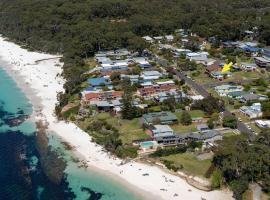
<point>202,91</point>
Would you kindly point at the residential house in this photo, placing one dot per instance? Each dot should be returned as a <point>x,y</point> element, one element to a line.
<point>151,75</point>
<point>100,95</point>
<point>169,38</point>
<point>220,75</point>
<point>162,118</point>
<point>98,82</point>
<point>148,39</point>
<point>142,62</point>
<point>253,97</point>
<point>133,78</point>
<point>253,111</point>
<point>177,95</point>
<point>152,90</point>
<point>236,94</point>
<point>263,61</point>
<point>107,105</point>
<point>263,123</point>
<point>223,90</point>
<point>179,52</point>
<point>161,130</point>
<point>202,127</point>
<point>211,68</point>
<point>197,56</point>
<point>230,44</point>
<point>158,38</point>
<point>248,66</point>
<point>204,136</point>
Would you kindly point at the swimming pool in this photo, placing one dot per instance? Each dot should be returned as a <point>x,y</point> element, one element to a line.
<point>147,144</point>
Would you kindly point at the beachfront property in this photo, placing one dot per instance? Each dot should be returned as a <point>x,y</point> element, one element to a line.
<point>253,111</point>
<point>98,83</point>
<point>223,90</point>
<point>107,105</point>
<point>208,136</point>
<point>88,96</point>
<point>161,130</point>
<point>163,118</point>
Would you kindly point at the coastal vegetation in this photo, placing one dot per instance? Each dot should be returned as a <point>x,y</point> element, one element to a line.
<point>242,162</point>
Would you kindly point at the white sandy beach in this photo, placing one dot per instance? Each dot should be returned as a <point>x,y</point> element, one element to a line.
<point>41,83</point>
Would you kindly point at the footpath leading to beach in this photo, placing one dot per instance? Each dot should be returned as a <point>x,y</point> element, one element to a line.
<point>38,75</point>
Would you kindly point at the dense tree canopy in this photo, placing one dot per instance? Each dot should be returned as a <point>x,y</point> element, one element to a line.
<point>242,162</point>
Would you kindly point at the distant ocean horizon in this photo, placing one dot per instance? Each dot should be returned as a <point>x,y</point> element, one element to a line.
<point>30,169</point>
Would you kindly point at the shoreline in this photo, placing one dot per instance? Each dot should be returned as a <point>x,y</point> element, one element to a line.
<point>40,84</point>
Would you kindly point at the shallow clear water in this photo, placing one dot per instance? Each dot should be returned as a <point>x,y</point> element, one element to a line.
<point>21,174</point>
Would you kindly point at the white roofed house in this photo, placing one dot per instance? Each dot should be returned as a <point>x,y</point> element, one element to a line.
<point>161,131</point>
<point>151,75</point>
<point>169,38</point>
<point>158,38</point>
<point>200,58</point>
<point>248,66</point>
<point>253,111</point>
<point>148,39</point>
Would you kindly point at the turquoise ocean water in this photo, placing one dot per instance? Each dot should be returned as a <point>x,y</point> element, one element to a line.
<point>22,175</point>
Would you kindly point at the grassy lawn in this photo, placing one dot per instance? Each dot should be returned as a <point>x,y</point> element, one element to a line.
<point>193,113</point>
<point>202,78</point>
<point>129,129</point>
<point>242,75</point>
<point>179,128</point>
<point>191,164</point>
<point>184,129</point>
<point>229,134</point>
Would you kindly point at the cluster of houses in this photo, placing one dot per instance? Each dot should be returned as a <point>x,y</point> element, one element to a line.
<point>237,92</point>
<point>158,126</point>
<point>152,82</point>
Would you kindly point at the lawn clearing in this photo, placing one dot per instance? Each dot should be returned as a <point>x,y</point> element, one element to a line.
<point>191,165</point>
